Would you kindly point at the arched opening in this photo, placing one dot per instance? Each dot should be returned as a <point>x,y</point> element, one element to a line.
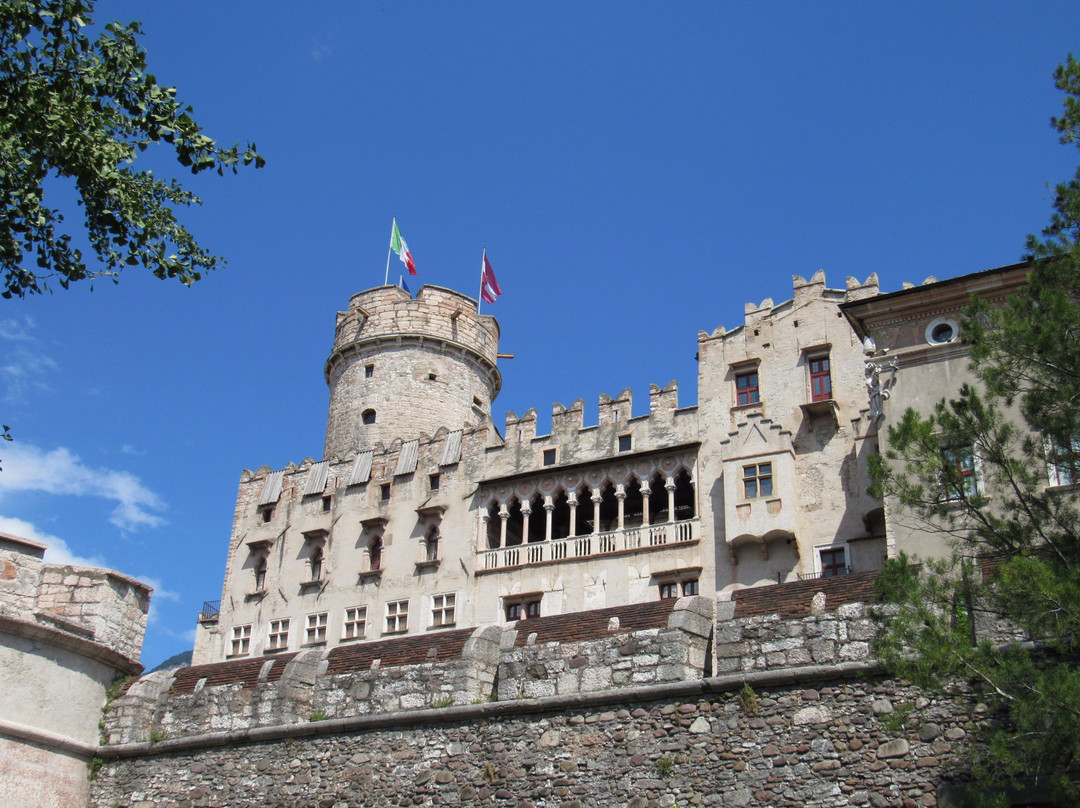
<point>513,524</point>
<point>560,517</point>
<point>658,499</point>
<point>684,495</point>
<point>494,526</point>
<point>368,417</point>
<point>609,508</point>
<point>633,505</point>
<point>431,545</point>
<point>375,554</point>
<point>260,573</point>
<point>315,561</point>
<point>583,522</point>
<point>537,520</point>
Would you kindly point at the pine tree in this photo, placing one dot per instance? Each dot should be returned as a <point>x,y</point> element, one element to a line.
<point>1016,548</point>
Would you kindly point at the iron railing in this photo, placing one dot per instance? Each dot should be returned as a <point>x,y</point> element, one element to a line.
<point>210,610</point>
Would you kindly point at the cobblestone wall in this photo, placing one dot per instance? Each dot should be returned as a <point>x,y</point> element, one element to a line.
<point>767,642</point>
<point>816,744</point>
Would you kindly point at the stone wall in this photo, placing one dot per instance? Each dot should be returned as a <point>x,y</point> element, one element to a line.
<point>817,743</point>
<point>665,641</point>
<point>559,661</point>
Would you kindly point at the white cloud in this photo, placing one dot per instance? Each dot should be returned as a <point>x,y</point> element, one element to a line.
<point>25,365</point>
<point>28,468</point>
<point>58,551</point>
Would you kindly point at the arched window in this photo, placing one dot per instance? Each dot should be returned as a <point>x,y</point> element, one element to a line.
<point>316,562</point>
<point>375,554</point>
<point>368,416</point>
<point>260,574</point>
<point>431,545</point>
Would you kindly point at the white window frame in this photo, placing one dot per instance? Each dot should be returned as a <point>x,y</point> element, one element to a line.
<point>315,626</point>
<point>443,610</point>
<point>355,618</point>
<point>397,617</point>
<point>277,638</point>
<point>819,568</point>
<point>240,641</point>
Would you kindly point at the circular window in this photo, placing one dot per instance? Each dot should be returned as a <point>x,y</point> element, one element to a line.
<point>941,331</point>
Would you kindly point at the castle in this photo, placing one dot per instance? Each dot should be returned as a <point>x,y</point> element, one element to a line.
<point>658,609</point>
<point>422,517</point>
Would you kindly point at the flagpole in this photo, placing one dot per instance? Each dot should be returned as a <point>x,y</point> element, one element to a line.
<point>386,280</point>
<point>480,295</point>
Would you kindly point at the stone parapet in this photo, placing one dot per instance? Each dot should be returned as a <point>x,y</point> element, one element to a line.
<point>533,665</point>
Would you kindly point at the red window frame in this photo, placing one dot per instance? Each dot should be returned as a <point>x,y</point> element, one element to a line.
<point>833,561</point>
<point>746,388</point>
<point>820,379</point>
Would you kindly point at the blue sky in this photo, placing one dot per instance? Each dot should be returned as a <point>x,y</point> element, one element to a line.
<point>637,172</point>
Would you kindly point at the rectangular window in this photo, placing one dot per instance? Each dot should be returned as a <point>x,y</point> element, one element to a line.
<point>820,380</point>
<point>278,638</point>
<point>442,610</point>
<point>326,504</point>
<point>549,457</point>
<point>960,480</point>
<point>669,590</point>
<point>397,617</point>
<point>1063,463</point>
<point>267,513</point>
<point>746,388</point>
<point>315,628</point>
<point>757,480</point>
<point>625,442</point>
<point>369,371</point>
<point>833,561</point>
<point>384,492</point>
<point>355,623</point>
<point>522,608</point>
<point>689,588</point>
<point>433,482</point>
<point>241,640</point>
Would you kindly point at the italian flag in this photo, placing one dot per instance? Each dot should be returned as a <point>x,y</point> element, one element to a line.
<point>401,249</point>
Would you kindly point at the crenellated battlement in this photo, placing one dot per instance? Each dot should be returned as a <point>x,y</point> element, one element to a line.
<point>402,365</point>
<point>617,430</point>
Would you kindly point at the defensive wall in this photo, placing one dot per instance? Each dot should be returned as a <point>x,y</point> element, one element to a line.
<point>768,699</point>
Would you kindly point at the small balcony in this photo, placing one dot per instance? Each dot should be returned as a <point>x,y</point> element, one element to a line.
<point>628,540</point>
<point>210,611</point>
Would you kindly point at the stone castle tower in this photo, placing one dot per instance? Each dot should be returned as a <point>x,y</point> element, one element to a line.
<point>402,367</point>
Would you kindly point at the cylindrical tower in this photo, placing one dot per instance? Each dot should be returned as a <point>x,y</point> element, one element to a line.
<point>403,367</point>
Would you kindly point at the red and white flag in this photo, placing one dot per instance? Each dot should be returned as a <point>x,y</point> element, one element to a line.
<point>401,249</point>
<point>489,287</point>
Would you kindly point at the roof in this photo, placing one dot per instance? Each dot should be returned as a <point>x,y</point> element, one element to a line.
<point>792,600</point>
<point>578,626</point>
